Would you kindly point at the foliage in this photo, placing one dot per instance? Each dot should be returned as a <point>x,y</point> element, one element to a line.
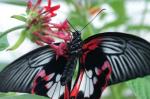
<point>3,43</point>
<point>141,87</point>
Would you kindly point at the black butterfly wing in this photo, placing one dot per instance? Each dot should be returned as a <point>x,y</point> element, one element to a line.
<point>18,76</point>
<point>48,80</point>
<point>90,84</point>
<point>110,58</point>
<point>128,55</point>
<point>94,72</point>
<point>37,72</point>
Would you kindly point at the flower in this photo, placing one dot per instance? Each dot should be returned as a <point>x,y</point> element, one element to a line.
<point>38,18</point>
<point>45,30</point>
<point>40,29</point>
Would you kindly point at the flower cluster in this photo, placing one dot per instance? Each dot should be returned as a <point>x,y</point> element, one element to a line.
<point>45,30</point>
<point>41,30</point>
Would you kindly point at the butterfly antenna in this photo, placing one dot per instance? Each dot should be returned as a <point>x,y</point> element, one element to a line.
<point>71,25</point>
<point>92,20</point>
<point>75,33</point>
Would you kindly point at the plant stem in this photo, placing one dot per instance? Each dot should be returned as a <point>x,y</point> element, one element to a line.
<point>11,29</point>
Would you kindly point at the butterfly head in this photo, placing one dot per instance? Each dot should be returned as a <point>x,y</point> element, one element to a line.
<point>71,44</point>
<point>74,46</point>
<point>76,34</point>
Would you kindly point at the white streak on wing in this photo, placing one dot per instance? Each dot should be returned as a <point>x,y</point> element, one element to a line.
<point>83,83</point>
<point>57,91</point>
<point>46,60</point>
<point>62,89</point>
<point>91,87</point>
<point>51,91</point>
<point>58,77</point>
<point>87,89</point>
<point>49,84</point>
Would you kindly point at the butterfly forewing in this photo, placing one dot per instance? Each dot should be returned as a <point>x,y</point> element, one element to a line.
<point>37,72</point>
<point>110,58</point>
<point>128,55</point>
<point>18,76</point>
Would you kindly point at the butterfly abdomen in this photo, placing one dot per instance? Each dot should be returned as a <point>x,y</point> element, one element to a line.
<point>69,70</point>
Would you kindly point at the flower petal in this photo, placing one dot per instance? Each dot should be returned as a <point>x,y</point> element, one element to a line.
<point>37,4</point>
<point>29,4</point>
<point>49,3</point>
<point>55,7</point>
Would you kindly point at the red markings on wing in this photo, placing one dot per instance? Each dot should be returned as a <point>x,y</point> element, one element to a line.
<point>104,67</point>
<point>66,94</point>
<point>77,86</point>
<point>40,74</point>
<point>92,45</point>
<point>48,77</point>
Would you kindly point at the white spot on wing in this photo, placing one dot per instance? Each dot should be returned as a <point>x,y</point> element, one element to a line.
<point>48,85</point>
<point>58,78</point>
<point>83,83</point>
<point>87,89</point>
<point>62,89</point>
<point>91,87</point>
<point>90,73</point>
<point>51,91</point>
<point>57,91</point>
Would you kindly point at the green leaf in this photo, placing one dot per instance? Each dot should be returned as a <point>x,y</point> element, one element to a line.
<point>15,2</point>
<point>138,27</point>
<point>141,87</point>
<point>69,1</point>
<point>75,17</point>
<point>19,17</point>
<point>117,90</point>
<point>119,7</point>
<point>3,43</point>
<point>25,96</point>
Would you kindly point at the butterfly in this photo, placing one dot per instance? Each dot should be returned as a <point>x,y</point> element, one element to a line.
<point>88,67</point>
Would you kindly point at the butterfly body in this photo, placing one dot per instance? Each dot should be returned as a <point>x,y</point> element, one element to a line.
<point>74,50</point>
<point>83,71</point>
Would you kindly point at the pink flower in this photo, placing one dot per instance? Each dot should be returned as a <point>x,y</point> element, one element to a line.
<point>39,20</point>
<point>41,30</point>
<point>51,9</point>
<point>38,15</point>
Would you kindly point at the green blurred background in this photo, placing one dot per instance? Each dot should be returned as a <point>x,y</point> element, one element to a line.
<point>129,16</point>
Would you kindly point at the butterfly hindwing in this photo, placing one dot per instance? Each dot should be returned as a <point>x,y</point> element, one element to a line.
<point>94,72</point>
<point>48,81</point>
